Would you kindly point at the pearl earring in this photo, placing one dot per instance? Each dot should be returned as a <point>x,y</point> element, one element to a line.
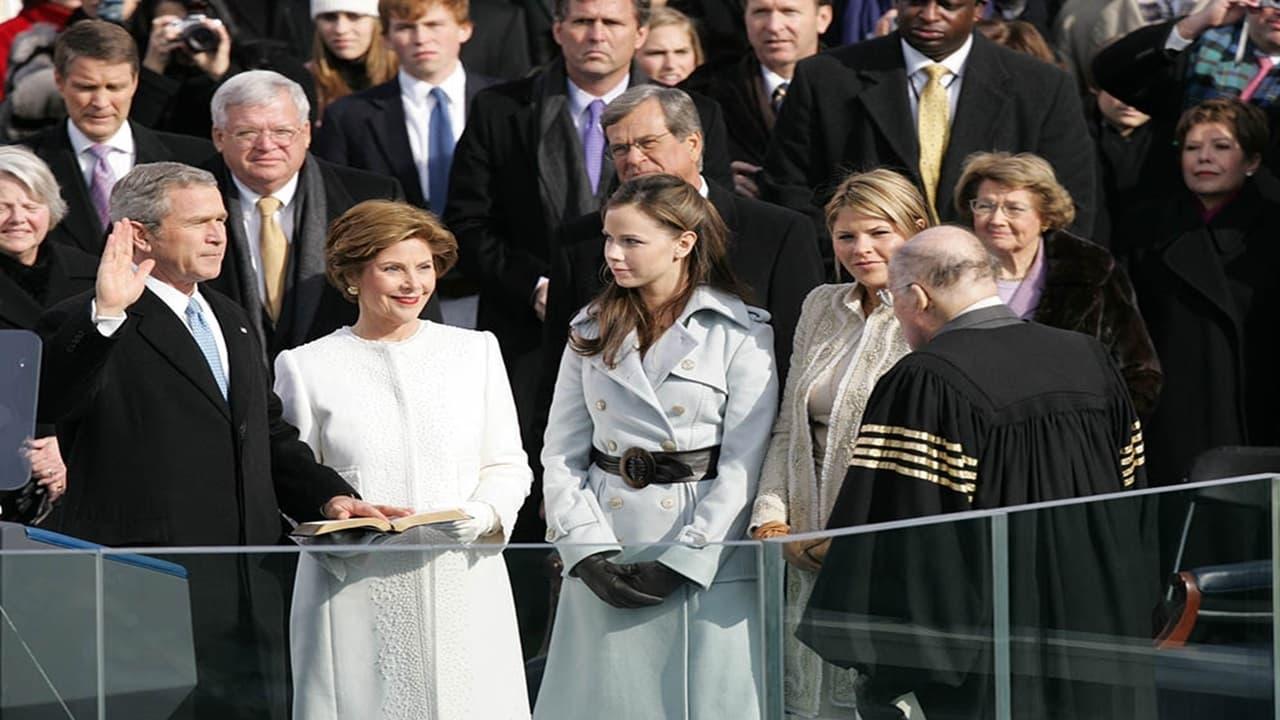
<point>353,290</point>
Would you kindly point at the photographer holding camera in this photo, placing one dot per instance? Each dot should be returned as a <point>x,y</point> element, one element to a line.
<point>198,38</point>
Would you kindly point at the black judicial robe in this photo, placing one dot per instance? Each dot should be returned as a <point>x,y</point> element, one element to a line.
<point>993,412</point>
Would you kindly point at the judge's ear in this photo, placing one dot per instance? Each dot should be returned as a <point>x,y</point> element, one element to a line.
<point>919,298</point>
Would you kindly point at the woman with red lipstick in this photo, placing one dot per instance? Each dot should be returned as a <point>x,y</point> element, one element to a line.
<point>1020,212</point>
<point>1206,278</point>
<point>348,53</point>
<point>846,339</point>
<point>419,415</point>
<point>661,414</point>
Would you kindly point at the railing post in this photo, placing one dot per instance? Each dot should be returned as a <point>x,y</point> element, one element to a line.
<point>100,634</point>
<point>773,603</point>
<point>1275,599</point>
<point>1000,614</point>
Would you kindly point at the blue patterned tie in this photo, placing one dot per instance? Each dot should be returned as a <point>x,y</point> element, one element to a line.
<point>439,152</point>
<point>208,346</point>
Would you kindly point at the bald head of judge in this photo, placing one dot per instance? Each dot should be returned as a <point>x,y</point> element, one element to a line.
<point>938,275</point>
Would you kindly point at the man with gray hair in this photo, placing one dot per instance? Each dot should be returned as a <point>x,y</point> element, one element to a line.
<point>280,200</point>
<point>988,411</point>
<point>172,434</point>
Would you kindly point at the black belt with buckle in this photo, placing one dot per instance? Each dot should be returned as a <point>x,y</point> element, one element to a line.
<point>640,468</point>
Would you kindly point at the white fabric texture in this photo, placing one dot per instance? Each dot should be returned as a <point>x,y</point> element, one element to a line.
<point>428,422</point>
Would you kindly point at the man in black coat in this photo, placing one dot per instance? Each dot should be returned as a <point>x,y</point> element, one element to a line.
<point>308,193</point>
<point>856,108</point>
<point>96,70</point>
<point>172,434</point>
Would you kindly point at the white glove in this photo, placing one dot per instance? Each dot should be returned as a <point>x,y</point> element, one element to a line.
<point>483,521</point>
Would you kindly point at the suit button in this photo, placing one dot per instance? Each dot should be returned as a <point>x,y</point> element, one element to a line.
<point>668,503</point>
<point>601,405</point>
<point>677,410</point>
<point>669,445</point>
<point>551,535</point>
<point>686,365</point>
<point>615,503</point>
<point>613,446</point>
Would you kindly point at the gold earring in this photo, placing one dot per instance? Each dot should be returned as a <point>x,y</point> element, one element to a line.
<point>353,290</point>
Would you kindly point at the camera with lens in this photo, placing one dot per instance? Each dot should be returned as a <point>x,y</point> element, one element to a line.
<point>196,37</point>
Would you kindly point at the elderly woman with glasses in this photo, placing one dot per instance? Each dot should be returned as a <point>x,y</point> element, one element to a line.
<point>1019,210</point>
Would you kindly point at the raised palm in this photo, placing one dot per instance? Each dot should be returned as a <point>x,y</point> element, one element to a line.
<point>119,283</point>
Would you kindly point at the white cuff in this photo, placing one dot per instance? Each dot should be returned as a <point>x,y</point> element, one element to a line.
<point>107,325</point>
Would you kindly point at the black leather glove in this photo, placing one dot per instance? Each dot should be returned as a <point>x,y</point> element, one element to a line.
<point>611,582</point>
<point>656,579</point>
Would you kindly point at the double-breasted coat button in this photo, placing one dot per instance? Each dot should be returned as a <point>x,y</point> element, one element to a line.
<point>669,445</point>
<point>551,535</point>
<point>687,365</point>
<point>613,446</point>
<point>615,503</point>
<point>677,410</point>
<point>668,503</point>
<point>601,405</point>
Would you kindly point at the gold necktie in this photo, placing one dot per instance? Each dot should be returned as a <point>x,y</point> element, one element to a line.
<point>275,255</point>
<point>933,130</point>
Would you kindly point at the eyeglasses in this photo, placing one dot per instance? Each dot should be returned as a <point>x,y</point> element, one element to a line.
<point>645,144</point>
<point>283,136</point>
<point>985,208</point>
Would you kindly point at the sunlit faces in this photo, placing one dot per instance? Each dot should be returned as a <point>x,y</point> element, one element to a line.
<point>667,55</point>
<point>863,245</point>
<point>264,145</point>
<point>1264,29</point>
<point>428,45</point>
<point>24,221</point>
<point>783,32</point>
<point>936,28</point>
<point>598,37</point>
<point>1006,220</point>
<point>643,253</point>
<point>346,34</point>
<point>640,144</point>
<point>98,95</point>
<point>189,244</point>
<point>1214,166</point>
<point>395,285</point>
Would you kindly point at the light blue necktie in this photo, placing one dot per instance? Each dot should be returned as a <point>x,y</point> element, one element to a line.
<point>208,346</point>
<point>439,152</point>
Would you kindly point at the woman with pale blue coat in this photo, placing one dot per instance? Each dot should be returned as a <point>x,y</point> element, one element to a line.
<point>662,412</point>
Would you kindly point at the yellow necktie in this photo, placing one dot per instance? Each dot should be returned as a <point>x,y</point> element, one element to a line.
<point>275,255</point>
<point>933,130</point>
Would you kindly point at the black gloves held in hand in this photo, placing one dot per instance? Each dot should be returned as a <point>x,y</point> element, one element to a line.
<point>654,578</point>
<point>631,585</point>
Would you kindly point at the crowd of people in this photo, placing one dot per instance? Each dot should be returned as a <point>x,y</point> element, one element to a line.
<point>636,281</point>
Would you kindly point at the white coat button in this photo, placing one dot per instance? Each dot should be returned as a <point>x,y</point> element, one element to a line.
<point>677,410</point>
<point>615,503</point>
<point>613,446</point>
<point>601,405</point>
<point>669,445</point>
<point>668,503</point>
<point>686,365</point>
<point>551,535</point>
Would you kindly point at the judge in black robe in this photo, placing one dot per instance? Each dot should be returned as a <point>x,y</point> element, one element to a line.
<point>990,412</point>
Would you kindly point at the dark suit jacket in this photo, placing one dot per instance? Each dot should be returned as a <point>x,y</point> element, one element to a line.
<point>499,44</point>
<point>155,456</point>
<point>848,109</point>
<point>81,227</point>
<point>739,89</point>
<point>312,307</point>
<point>366,130</point>
<point>71,272</point>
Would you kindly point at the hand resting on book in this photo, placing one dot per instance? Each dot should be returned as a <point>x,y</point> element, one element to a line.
<point>482,520</point>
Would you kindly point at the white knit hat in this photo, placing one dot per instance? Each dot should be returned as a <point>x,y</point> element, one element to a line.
<point>359,7</point>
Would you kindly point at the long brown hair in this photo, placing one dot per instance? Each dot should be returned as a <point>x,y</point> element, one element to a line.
<point>674,204</point>
<point>379,62</point>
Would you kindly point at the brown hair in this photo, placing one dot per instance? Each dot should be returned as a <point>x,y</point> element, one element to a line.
<point>375,225</point>
<point>664,16</point>
<point>676,205</point>
<point>560,11</point>
<point>1247,122</point>
<point>379,63</point>
<point>1018,35</point>
<point>883,194</point>
<point>389,10</point>
<point>96,40</point>
<point>1023,171</point>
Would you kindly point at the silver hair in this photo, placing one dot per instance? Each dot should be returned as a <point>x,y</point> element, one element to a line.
<point>256,88</point>
<point>30,172</point>
<point>677,108</point>
<point>940,266</point>
<point>143,194</point>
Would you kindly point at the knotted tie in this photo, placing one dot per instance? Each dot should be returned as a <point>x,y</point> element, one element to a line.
<point>779,95</point>
<point>274,249</point>
<point>593,143</point>
<point>1265,63</point>
<point>439,152</point>
<point>103,181</point>
<point>933,130</point>
<point>208,346</point>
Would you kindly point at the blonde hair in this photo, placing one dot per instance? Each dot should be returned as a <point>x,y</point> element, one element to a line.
<point>1023,171</point>
<point>664,16</point>
<point>882,194</point>
<point>367,229</point>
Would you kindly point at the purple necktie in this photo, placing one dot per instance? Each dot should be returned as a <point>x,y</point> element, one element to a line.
<point>593,143</point>
<point>103,180</point>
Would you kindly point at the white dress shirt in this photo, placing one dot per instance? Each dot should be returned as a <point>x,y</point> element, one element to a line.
<point>579,99</point>
<point>251,221</point>
<point>415,94</point>
<point>177,301</point>
<point>121,159</point>
<point>771,82</point>
<point>917,78</point>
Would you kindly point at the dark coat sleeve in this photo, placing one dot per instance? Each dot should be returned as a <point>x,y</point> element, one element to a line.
<point>302,485</point>
<point>74,356</point>
<point>1139,71</point>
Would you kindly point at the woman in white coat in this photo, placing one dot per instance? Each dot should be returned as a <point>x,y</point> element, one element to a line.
<point>845,340</point>
<point>661,415</point>
<point>419,415</point>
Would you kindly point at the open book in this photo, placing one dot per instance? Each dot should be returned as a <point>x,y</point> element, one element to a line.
<point>368,524</point>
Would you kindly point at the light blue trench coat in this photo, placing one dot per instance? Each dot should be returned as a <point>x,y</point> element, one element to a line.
<point>709,380</point>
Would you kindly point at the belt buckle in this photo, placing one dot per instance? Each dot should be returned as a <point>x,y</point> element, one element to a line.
<point>637,467</point>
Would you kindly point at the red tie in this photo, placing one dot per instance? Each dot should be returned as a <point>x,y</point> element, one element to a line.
<point>1264,66</point>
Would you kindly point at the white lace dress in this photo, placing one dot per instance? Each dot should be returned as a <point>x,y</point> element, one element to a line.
<point>425,422</point>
